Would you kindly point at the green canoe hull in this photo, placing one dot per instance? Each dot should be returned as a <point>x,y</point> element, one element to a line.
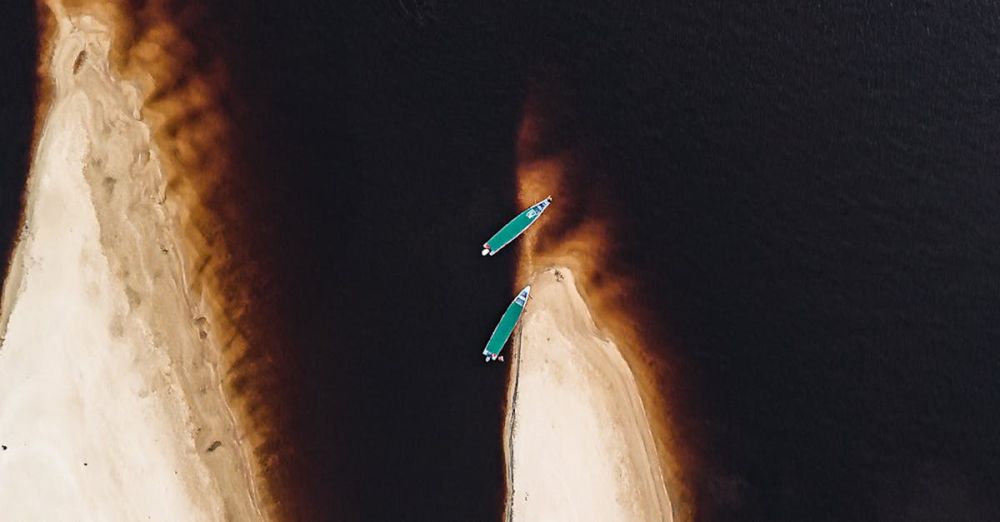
<point>506,325</point>
<point>515,227</point>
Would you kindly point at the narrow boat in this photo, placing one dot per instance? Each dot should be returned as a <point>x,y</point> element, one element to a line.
<point>516,227</point>
<point>506,326</point>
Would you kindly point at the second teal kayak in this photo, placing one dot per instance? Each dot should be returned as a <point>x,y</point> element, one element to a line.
<point>506,326</point>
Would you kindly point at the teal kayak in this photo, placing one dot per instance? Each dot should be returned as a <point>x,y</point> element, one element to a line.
<point>506,326</point>
<point>518,225</point>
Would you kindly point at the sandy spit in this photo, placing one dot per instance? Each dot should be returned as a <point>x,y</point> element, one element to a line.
<point>579,446</point>
<point>111,406</point>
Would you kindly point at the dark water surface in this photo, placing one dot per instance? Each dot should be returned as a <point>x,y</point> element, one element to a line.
<point>19,37</point>
<point>805,194</point>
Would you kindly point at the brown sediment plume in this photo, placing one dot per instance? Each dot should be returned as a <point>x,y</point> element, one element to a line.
<point>577,235</point>
<point>183,91</point>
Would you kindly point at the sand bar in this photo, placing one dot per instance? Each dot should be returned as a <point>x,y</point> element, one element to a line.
<point>579,445</point>
<point>110,400</point>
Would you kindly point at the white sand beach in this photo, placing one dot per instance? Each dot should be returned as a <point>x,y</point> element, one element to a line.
<point>111,404</point>
<point>580,447</point>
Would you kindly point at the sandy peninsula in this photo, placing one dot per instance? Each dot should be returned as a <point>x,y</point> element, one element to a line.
<point>110,400</point>
<point>579,446</point>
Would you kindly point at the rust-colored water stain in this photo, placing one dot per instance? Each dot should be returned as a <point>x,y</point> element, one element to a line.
<point>577,234</point>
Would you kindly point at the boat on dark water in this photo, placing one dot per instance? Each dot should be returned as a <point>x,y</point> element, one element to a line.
<point>515,227</point>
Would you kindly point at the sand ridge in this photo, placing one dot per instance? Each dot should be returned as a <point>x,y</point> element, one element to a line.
<point>579,446</point>
<point>111,405</point>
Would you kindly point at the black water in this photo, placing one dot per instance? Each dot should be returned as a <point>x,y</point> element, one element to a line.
<point>804,193</point>
<point>17,112</point>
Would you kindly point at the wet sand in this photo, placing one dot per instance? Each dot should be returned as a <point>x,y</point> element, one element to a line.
<point>579,445</point>
<point>111,398</point>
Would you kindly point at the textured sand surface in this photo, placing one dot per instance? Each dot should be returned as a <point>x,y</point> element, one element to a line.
<point>580,447</point>
<point>110,400</point>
